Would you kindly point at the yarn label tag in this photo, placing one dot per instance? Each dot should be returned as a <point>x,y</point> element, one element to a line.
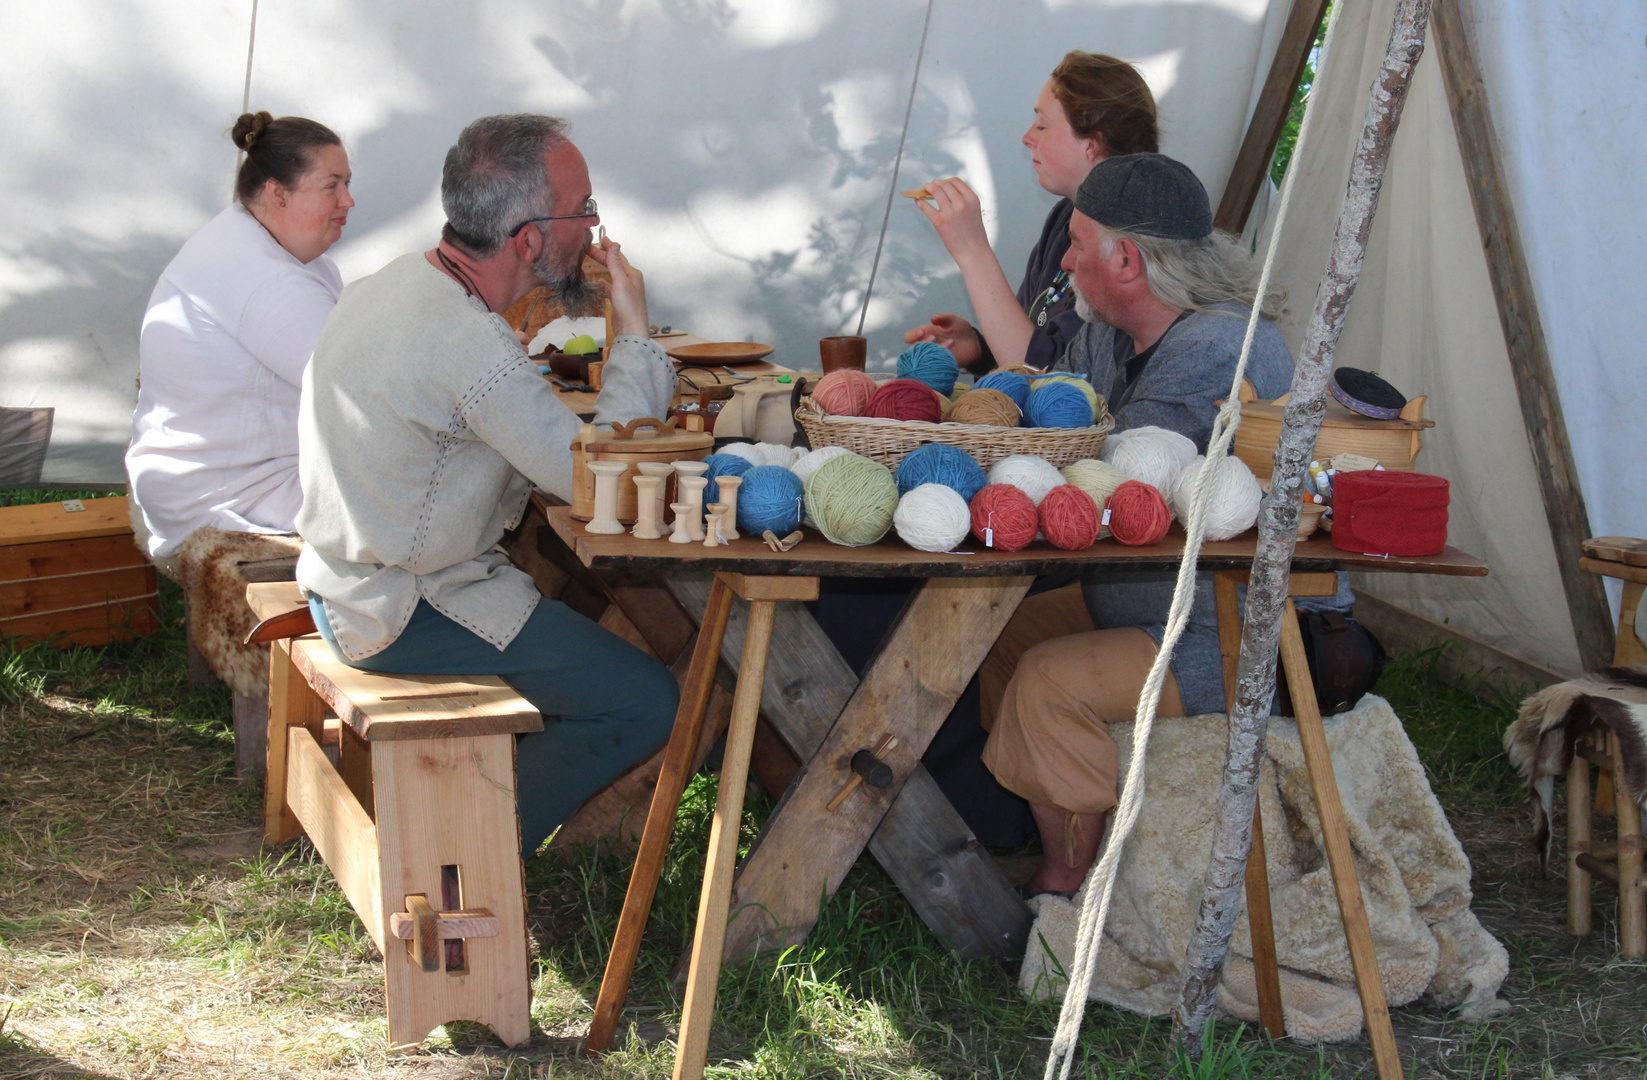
<point>1105,520</point>
<point>989,537</point>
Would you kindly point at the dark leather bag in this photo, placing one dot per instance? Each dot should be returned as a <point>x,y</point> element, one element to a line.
<point>1345,661</point>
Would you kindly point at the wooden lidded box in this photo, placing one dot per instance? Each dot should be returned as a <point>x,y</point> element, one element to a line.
<point>1394,444</point>
<point>71,574</point>
<point>646,439</point>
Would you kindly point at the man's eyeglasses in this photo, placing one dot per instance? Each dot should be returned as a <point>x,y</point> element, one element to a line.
<point>589,211</point>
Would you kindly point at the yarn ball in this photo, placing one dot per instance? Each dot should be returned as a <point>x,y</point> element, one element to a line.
<point>1058,405</point>
<point>1149,455</point>
<point>1232,504</point>
<point>722,464</point>
<point>845,392</point>
<point>1010,383</point>
<point>1138,514</point>
<point>932,517</point>
<point>1097,479</point>
<point>1004,518</point>
<point>930,363</point>
<point>985,406</point>
<point>906,399</point>
<point>1032,475</point>
<point>778,454</point>
<point>750,452</point>
<point>1069,518</point>
<point>1072,380</point>
<point>770,498</point>
<point>938,463</point>
<point>812,461</point>
<point>851,500</point>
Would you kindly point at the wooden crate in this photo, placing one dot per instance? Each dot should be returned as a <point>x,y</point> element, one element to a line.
<point>70,574</point>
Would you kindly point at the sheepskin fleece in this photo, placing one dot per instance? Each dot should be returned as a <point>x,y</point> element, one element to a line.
<point>1541,739</point>
<point>209,569</point>
<point>1414,875</point>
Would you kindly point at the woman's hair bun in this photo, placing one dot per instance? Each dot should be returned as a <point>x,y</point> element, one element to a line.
<point>249,128</point>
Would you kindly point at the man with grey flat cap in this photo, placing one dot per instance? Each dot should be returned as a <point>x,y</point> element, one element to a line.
<point>1166,301</point>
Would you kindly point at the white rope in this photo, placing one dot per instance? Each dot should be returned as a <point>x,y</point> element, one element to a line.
<point>1100,883</point>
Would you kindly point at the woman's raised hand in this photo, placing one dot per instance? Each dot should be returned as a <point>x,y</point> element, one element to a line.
<point>953,333</point>
<point>955,212</point>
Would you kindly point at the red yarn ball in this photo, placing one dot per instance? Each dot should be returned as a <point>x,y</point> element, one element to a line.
<point>1069,518</point>
<point>1004,518</point>
<point>906,399</point>
<point>1138,514</point>
<point>845,392</point>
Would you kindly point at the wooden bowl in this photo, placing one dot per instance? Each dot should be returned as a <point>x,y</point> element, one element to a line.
<point>721,353</point>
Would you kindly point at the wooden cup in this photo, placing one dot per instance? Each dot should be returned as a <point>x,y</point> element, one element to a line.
<point>848,351</point>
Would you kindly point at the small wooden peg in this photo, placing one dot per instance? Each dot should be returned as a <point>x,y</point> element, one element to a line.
<point>861,770</point>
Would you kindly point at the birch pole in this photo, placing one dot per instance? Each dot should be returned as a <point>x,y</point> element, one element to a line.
<point>1277,533</point>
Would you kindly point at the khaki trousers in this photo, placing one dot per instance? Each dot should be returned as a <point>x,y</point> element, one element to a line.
<point>1050,742</point>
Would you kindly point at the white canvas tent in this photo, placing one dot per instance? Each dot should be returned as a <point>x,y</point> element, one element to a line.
<point>743,150</point>
<point>1565,86</point>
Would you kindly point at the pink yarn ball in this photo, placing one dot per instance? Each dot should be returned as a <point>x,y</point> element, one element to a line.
<point>1069,518</point>
<point>1004,518</point>
<point>844,393</point>
<point>906,399</point>
<point>1138,515</point>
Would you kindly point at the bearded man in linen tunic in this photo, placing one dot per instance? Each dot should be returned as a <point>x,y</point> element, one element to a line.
<point>423,427</point>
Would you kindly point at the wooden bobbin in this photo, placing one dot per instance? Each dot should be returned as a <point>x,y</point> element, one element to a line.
<point>683,523</point>
<point>729,486</point>
<point>606,496</point>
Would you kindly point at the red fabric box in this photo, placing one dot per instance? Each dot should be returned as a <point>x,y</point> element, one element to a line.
<point>1382,512</point>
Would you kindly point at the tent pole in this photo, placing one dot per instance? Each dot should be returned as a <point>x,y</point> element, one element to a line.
<point>1269,116</point>
<point>1267,589</point>
<point>1524,341</point>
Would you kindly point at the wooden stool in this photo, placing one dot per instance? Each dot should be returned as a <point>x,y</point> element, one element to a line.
<point>417,822</point>
<point>1621,862</point>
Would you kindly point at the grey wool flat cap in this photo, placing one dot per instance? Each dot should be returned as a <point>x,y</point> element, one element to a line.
<point>1150,194</point>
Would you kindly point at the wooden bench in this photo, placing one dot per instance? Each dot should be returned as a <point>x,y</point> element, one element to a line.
<point>417,821</point>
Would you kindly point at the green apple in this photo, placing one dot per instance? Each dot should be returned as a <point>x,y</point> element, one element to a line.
<point>580,345</point>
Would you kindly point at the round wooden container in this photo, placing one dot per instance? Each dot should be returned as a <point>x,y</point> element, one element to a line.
<point>646,439</point>
<point>1394,444</point>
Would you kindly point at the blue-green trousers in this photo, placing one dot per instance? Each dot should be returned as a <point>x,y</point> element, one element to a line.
<point>606,705</point>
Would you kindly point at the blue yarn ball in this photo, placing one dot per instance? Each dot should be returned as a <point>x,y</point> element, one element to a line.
<point>723,465</point>
<point>931,363</point>
<point>1058,405</point>
<point>940,463</point>
<point>1010,383</point>
<point>770,498</point>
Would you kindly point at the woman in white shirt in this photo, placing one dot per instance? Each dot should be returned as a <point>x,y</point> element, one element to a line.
<point>227,335</point>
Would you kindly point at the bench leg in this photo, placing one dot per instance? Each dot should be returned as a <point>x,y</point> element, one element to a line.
<point>291,704</point>
<point>439,804</point>
<point>1632,902</point>
<point>1578,843</point>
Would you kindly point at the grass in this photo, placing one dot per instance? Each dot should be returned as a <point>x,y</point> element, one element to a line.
<point>145,933</point>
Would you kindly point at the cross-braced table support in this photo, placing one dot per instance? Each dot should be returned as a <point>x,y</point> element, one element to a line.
<point>815,835</point>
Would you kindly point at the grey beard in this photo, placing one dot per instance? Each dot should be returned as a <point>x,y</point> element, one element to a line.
<point>1082,308</point>
<point>576,294</point>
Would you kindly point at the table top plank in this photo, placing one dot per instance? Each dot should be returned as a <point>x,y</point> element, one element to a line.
<point>891,557</point>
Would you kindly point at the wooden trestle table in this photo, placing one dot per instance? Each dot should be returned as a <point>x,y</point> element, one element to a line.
<point>926,661</point>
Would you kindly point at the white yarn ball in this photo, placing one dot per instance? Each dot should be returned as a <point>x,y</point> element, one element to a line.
<point>1232,504</point>
<point>750,452</point>
<point>809,463</point>
<point>932,517</point>
<point>1150,455</point>
<point>775,454</point>
<point>1031,475</point>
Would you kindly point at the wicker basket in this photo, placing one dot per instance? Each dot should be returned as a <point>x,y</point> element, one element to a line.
<point>888,441</point>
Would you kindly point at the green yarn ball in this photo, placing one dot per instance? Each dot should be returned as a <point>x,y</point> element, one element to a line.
<point>851,500</point>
